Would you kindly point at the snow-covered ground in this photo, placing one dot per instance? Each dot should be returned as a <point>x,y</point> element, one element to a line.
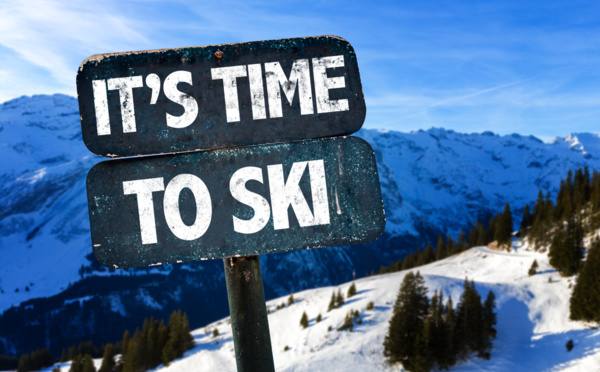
<point>533,325</point>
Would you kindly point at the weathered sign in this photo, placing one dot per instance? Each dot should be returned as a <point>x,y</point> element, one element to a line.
<point>198,98</point>
<point>234,202</point>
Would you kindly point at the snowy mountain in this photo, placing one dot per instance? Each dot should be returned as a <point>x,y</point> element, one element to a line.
<point>533,325</point>
<point>433,182</point>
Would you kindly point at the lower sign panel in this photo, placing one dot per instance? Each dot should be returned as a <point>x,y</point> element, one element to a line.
<point>234,202</point>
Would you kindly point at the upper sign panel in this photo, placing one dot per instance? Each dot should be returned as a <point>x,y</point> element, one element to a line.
<point>186,99</point>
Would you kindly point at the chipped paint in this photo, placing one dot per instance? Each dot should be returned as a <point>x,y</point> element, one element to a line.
<point>352,200</point>
<point>184,99</point>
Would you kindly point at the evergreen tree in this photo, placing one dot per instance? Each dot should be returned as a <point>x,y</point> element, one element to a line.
<point>304,320</point>
<point>489,325</point>
<point>461,245</point>
<point>24,363</point>
<point>428,254</point>
<point>135,354</point>
<point>88,364</point>
<point>526,221</point>
<point>108,359</point>
<point>409,312</point>
<point>77,364</point>
<point>566,250</point>
<point>447,357</point>
<point>351,290</point>
<point>440,250</point>
<point>481,235</point>
<point>491,231</point>
<point>474,235</point>
<point>423,359</point>
<point>179,339</point>
<point>331,305</point>
<point>339,299</point>
<point>533,269</point>
<point>504,227</point>
<point>469,321</point>
<point>585,300</point>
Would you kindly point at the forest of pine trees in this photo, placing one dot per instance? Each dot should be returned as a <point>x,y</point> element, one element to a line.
<point>499,229</point>
<point>562,227</point>
<point>423,334</point>
<point>156,343</point>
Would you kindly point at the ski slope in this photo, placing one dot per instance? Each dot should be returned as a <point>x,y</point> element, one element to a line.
<point>533,325</point>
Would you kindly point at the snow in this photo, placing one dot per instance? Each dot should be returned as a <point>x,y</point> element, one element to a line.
<point>533,325</point>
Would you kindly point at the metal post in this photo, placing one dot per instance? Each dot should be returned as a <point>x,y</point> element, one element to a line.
<point>249,322</point>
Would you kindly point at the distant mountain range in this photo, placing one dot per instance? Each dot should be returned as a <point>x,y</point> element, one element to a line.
<point>433,182</point>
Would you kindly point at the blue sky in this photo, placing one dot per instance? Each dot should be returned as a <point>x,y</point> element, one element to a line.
<point>528,67</point>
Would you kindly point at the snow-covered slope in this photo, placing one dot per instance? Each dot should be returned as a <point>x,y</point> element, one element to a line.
<point>44,228</point>
<point>533,325</point>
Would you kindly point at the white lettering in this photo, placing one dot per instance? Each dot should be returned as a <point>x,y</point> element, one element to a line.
<point>300,76</point>
<point>125,87</point>
<point>144,189</point>
<point>323,84</point>
<point>101,106</point>
<point>153,82</point>
<point>203,207</point>
<point>284,194</point>
<point>262,211</point>
<point>188,102</point>
<point>229,76</point>
<point>257,92</point>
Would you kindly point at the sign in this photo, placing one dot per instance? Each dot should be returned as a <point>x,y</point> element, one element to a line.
<point>198,98</point>
<point>234,202</point>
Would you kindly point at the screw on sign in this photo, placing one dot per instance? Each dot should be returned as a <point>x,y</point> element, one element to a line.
<point>255,191</point>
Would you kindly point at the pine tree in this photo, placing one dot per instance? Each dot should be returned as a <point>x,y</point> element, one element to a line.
<point>135,354</point>
<point>566,250</point>
<point>339,299</point>
<point>77,364</point>
<point>474,235</point>
<point>409,312</point>
<point>526,221</point>
<point>423,359</point>
<point>331,305</point>
<point>88,364</point>
<point>440,250</point>
<point>24,363</point>
<point>108,359</point>
<point>179,340</point>
<point>504,227</point>
<point>585,300</point>
<point>428,254</point>
<point>351,291</point>
<point>489,325</point>
<point>533,269</point>
<point>304,320</point>
<point>469,321</point>
<point>447,357</point>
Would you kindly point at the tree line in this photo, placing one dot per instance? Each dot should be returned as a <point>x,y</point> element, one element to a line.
<point>498,229</point>
<point>424,334</point>
<point>154,344</point>
<point>562,226</point>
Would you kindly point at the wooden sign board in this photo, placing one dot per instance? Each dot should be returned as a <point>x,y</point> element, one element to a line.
<point>199,98</point>
<point>234,202</point>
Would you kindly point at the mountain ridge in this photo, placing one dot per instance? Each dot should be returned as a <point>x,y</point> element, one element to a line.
<point>433,182</point>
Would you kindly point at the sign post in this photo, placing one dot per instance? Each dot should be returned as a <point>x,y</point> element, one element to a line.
<point>253,167</point>
<point>249,321</point>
